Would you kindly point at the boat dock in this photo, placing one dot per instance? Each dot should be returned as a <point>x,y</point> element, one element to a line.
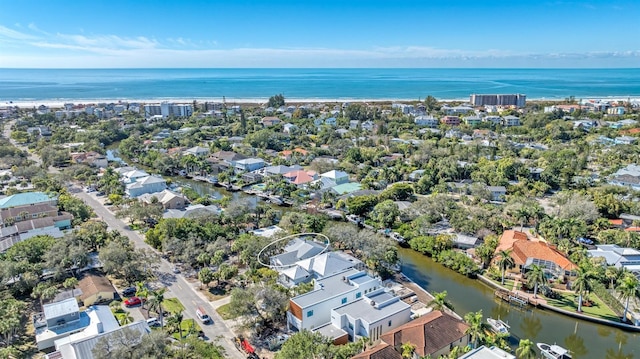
<point>515,298</point>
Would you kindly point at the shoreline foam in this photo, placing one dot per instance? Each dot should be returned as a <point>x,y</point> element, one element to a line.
<point>59,103</point>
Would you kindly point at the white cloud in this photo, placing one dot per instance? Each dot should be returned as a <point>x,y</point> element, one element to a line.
<point>90,50</point>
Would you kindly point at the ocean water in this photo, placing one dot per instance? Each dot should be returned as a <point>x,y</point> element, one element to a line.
<point>312,84</point>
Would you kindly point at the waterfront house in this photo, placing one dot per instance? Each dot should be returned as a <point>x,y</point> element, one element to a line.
<point>193,211</point>
<point>249,164</point>
<point>314,309</point>
<point>508,238</point>
<point>279,170</point>
<point>300,177</point>
<point>376,313</point>
<point>148,184</point>
<point>296,250</point>
<point>227,158</point>
<point>433,334</point>
<point>133,175</point>
<point>620,257</point>
<point>316,267</point>
<point>483,352</point>
<point>168,199</point>
<point>525,253</point>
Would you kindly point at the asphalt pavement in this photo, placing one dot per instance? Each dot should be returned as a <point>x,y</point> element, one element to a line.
<point>176,285</point>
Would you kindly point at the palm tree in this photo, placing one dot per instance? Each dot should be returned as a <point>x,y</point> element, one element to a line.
<point>142,291</point>
<point>476,328</point>
<point>175,323</point>
<point>535,277</point>
<point>627,290</point>
<point>504,261</point>
<point>611,273</point>
<point>155,303</point>
<point>44,291</point>
<point>440,302</point>
<point>71,282</point>
<point>407,350</point>
<point>582,284</point>
<point>525,349</point>
<point>125,318</point>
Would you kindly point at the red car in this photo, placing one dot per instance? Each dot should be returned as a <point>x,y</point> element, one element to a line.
<point>130,302</point>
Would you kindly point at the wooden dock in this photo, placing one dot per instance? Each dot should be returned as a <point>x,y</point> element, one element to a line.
<point>516,298</point>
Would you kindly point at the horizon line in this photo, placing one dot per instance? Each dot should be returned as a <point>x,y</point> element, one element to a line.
<point>319,68</point>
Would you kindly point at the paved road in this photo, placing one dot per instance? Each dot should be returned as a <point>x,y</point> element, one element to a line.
<point>6,133</point>
<point>175,284</point>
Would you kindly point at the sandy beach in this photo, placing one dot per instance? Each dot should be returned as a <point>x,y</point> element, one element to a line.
<point>59,103</point>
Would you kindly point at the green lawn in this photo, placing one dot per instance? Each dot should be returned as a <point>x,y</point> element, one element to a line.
<point>223,310</point>
<point>173,305</point>
<point>568,301</point>
<point>187,325</point>
<point>508,283</point>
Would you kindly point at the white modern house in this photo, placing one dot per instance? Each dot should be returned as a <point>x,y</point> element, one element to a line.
<point>63,319</point>
<point>148,184</point>
<point>317,267</point>
<point>249,164</point>
<point>81,345</point>
<point>313,309</point>
<point>339,177</point>
<point>371,316</point>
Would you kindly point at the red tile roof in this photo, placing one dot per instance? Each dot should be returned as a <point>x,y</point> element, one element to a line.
<point>633,229</point>
<point>524,249</point>
<point>298,177</point>
<point>429,333</point>
<point>615,222</point>
<point>380,351</point>
<point>508,238</point>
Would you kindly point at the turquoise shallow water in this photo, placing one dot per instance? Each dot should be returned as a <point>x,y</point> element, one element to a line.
<point>233,84</point>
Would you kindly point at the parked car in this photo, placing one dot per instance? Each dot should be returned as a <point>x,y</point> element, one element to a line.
<point>133,301</point>
<point>153,322</point>
<point>585,241</point>
<point>203,316</point>
<point>129,292</point>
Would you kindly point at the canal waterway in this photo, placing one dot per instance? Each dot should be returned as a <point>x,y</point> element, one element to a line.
<point>585,339</point>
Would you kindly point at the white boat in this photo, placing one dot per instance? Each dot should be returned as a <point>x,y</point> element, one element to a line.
<point>553,351</point>
<point>498,326</point>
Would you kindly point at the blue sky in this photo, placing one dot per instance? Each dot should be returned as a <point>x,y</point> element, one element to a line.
<point>312,33</point>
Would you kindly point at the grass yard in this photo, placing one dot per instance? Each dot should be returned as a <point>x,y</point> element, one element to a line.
<point>172,305</point>
<point>223,310</point>
<point>569,302</point>
<point>216,293</point>
<point>508,283</point>
<point>188,326</point>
